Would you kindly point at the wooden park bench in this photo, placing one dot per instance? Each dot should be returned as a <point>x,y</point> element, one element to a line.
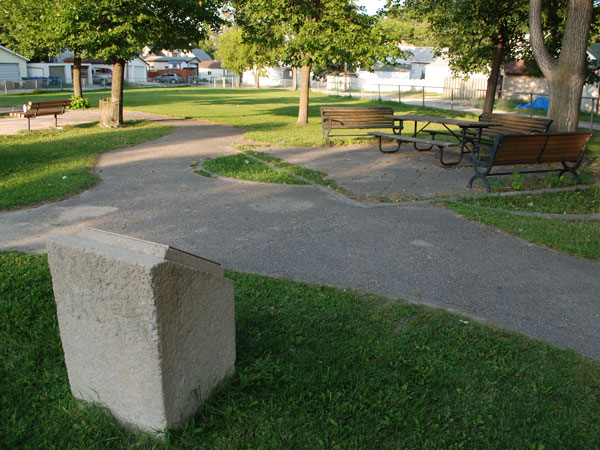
<point>545,148</point>
<point>510,124</point>
<point>354,118</point>
<point>44,108</point>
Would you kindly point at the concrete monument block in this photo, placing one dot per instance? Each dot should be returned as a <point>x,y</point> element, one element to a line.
<point>147,330</point>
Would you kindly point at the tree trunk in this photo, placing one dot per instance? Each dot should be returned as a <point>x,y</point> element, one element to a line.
<point>565,91</point>
<point>492,81</point>
<point>256,77</point>
<point>304,94</point>
<point>116,92</point>
<point>565,75</point>
<point>238,81</point>
<point>294,79</point>
<point>77,75</point>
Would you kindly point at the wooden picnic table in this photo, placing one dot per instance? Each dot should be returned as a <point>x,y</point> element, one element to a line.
<point>470,131</point>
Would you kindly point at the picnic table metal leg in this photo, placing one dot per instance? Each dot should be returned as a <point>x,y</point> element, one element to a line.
<point>462,140</point>
<point>417,148</point>
<point>388,151</point>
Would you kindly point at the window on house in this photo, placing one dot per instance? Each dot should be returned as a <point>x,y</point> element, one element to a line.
<point>417,71</point>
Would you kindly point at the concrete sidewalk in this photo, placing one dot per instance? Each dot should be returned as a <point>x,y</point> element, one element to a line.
<point>417,252</point>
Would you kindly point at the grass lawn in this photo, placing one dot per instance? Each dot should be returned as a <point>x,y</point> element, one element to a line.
<point>48,165</point>
<point>581,238</point>
<point>584,201</point>
<point>317,367</point>
<point>268,115</point>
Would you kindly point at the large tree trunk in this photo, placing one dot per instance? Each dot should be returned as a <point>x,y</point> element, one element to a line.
<point>304,94</point>
<point>238,80</point>
<point>116,92</point>
<point>77,75</point>
<point>565,75</point>
<point>294,79</point>
<point>492,81</point>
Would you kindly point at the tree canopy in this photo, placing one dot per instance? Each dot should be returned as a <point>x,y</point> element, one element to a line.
<point>239,55</point>
<point>313,34</point>
<point>115,30</point>
<point>475,35</point>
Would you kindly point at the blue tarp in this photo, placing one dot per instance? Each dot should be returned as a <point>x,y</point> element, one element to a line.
<point>538,103</point>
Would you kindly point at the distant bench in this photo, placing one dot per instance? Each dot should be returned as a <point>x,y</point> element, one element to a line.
<point>44,108</point>
<point>546,148</point>
<point>354,118</point>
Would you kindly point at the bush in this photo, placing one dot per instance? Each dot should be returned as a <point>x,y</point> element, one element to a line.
<point>79,103</point>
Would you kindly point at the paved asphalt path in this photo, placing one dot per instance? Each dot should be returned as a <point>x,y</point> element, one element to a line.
<point>420,253</point>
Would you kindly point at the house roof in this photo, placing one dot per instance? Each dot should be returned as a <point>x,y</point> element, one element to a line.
<point>171,59</point>
<point>87,61</point>
<point>201,54</point>
<point>594,51</point>
<point>13,53</point>
<point>210,65</point>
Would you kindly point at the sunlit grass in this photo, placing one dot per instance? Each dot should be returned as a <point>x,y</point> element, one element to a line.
<point>47,165</point>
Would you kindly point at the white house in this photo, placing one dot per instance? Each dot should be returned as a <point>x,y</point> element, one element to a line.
<point>212,69</point>
<point>422,68</point>
<point>171,62</point>
<point>271,77</point>
<point>13,67</point>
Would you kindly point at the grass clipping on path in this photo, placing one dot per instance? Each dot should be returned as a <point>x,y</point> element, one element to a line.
<point>317,367</point>
<point>48,165</point>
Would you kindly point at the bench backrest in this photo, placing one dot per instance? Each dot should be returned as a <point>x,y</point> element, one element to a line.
<point>49,104</point>
<point>513,124</point>
<point>356,117</point>
<point>539,148</point>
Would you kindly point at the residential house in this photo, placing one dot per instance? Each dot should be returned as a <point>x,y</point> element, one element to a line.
<point>61,66</point>
<point>420,69</point>
<point>271,77</point>
<point>209,70</point>
<point>13,67</point>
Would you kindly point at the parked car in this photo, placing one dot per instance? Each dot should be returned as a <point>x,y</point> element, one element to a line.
<point>102,76</point>
<point>169,77</point>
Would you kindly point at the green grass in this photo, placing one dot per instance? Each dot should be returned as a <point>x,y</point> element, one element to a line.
<point>585,201</point>
<point>315,176</point>
<point>268,115</point>
<point>242,167</point>
<point>576,238</point>
<point>48,165</point>
<point>317,367</point>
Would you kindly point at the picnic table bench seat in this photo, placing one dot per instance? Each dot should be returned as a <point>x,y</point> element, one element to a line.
<point>354,118</point>
<point>544,148</point>
<point>42,108</point>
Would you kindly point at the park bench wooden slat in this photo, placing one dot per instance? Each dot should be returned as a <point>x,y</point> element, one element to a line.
<point>42,108</point>
<point>358,118</point>
<point>545,148</point>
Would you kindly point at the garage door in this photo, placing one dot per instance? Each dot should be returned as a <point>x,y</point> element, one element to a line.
<point>9,72</point>
<point>139,73</point>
